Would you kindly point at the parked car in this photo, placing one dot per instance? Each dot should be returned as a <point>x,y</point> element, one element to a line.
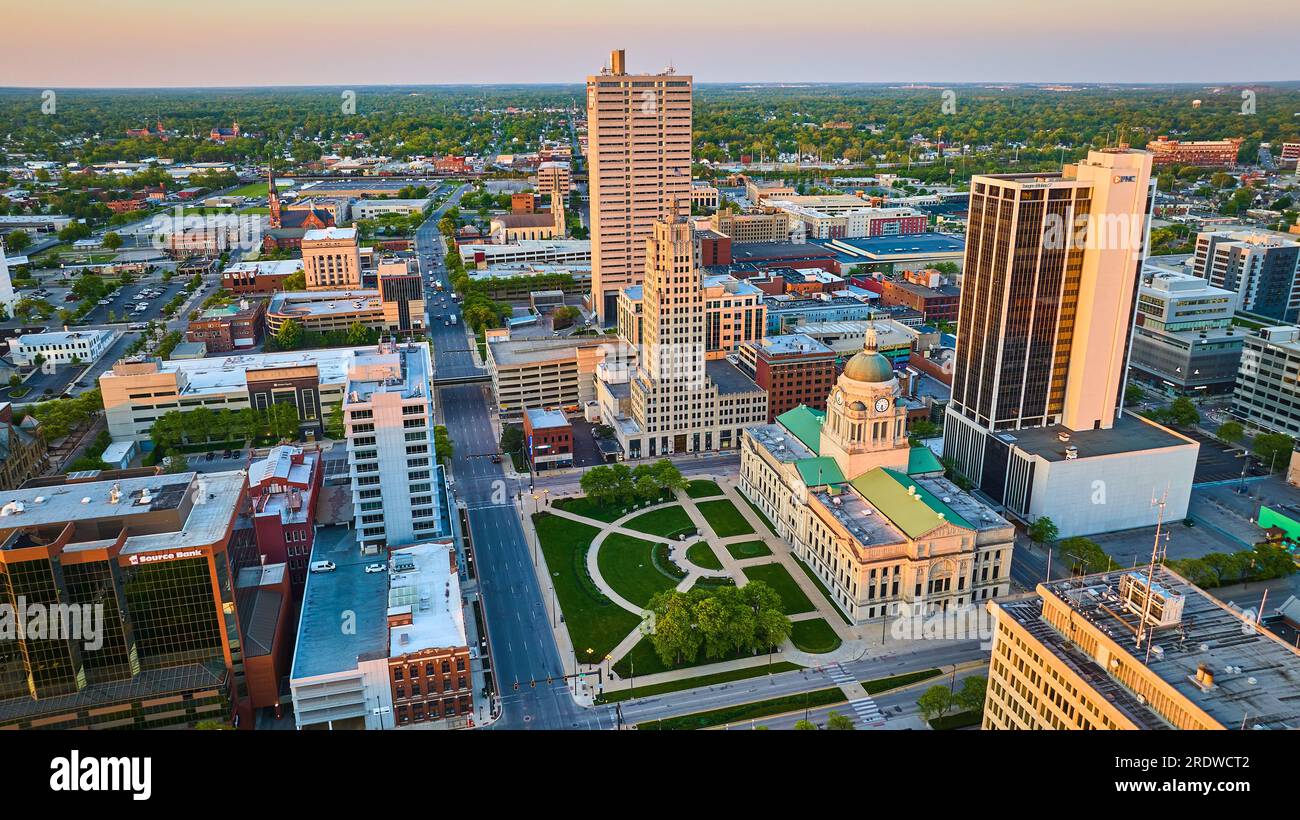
<point>370,568</point>
<point>323,566</point>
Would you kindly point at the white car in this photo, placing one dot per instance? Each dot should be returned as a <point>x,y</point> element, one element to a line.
<point>376,568</point>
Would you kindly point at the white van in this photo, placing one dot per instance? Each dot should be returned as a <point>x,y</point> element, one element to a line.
<point>322,566</point>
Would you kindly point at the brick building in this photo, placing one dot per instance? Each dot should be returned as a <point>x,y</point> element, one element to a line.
<point>794,369</point>
<point>284,488</point>
<point>548,437</point>
<point>231,327</point>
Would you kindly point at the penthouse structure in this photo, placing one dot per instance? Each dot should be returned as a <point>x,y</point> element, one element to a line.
<point>1135,649</point>
<point>639,169</point>
<point>121,555</point>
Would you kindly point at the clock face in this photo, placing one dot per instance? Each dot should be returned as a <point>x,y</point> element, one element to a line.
<point>882,404</point>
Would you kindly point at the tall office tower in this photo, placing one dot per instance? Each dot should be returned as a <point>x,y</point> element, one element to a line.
<point>387,410</point>
<point>639,156</point>
<point>1051,275</point>
<point>679,400</point>
<point>1135,649</point>
<point>331,259</point>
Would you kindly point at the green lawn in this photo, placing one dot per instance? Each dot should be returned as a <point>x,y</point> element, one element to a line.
<point>748,549</point>
<point>694,683</point>
<point>701,555</point>
<point>875,687</point>
<point>793,601</point>
<point>643,660</point>
<point>666,522</point>
<point>826,593</point>
<point>703,488</point>
<point>260,211</point>
<point>588,508</point>
<point>252,189</point>
<point>592,619</point>
<point>771,528</point>
<point>724,518</point>
<point>959,720</point>
<point>627,564</point>
<point>814,636</point>
<point>748,711</point>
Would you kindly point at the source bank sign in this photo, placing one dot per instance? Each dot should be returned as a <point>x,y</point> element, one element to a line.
<point>158,557</point>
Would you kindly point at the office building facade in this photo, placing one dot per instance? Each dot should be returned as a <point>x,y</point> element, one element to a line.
<point>1260,268</point>
<point>639,169</point>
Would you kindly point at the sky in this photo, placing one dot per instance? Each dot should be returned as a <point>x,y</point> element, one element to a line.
<point>188,43</point>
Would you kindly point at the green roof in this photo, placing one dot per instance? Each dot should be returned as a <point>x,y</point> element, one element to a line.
<point>923,460</point>
<point>806,425</point>
<point>816,472</point>
<point>886,490</point>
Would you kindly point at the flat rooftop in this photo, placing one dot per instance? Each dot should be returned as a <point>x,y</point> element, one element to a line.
<point>1263,688</point>
<point>1131,434</point>
<point>421,579</point>
<point>863,521</point>
<point>405,370</point>
<point>511,353</point>
<point>223,374</point>
<point>907,246</point>
<point>762,251</point>
<point>323,648</point>
<point>318,234</point>
<point>729,378</point>
<point>782,444</point>
<point>211,499</point>
<point>324,302</point>
<point>792,343</point>
<point>542,419</point>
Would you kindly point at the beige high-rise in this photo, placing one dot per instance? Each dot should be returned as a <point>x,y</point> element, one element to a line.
<point>639,156</point>
<point>331,259</point>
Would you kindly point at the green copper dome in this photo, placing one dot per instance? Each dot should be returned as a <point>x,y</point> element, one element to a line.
<point>869,367</point>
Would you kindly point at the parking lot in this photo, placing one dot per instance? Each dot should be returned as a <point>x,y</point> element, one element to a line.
<point>1219,462</point>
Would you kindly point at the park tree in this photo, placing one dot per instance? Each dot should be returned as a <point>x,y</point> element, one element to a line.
<point>112,241</point>
<point>837,722</point>
<point>935,702</point>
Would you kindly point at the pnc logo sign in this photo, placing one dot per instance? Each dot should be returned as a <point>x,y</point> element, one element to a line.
<point>1119,179</point>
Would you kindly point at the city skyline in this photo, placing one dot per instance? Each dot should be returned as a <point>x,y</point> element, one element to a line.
<point>1148,43</point>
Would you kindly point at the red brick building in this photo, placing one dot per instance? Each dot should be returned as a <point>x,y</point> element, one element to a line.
<point>259,278</point>
<point>715,248</point>
<point>923,291</point>
<point>284,488</point>
<point>229,328</point>
<point>548,439</point>
<point>794,369</point>
<point>1203,154</point>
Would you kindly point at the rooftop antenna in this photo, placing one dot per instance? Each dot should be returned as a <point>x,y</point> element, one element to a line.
<point>1151,572</point>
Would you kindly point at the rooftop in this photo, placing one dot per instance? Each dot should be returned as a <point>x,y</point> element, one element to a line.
<point>540,419</point>
<point>792,343</point>
<point>331,234</point>
<point>1131,434</point>
<point>323,648</point>
<point>729,379</point>
<point>423,581</point>
<point>1256,675</point>
<point>222,374</point>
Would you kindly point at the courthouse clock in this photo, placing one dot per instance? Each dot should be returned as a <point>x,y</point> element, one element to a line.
<point>882,404</point>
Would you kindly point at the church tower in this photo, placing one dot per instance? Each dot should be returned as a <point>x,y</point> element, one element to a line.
<point>272,197</point>
<point>866,425</point>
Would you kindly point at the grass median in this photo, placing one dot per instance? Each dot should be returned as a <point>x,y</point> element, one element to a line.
<point>749,711</point>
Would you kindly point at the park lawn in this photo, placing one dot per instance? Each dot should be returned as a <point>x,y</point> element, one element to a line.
<point>643,660</point>
<point>724,519</point>
<point>793,601</point>
<point>701,555</point>
<point>252,189</point>
<point>762,516</point>
<point>593,620</point>
<point>748,711</point>
<point>666,522</point>
<point>748,549</point>
<point>627,564</point>
<point>875,687</point>
<point>814,636</point>
<point>703,488</point>
<point>589,508</point>
<point>826,593</point>
<point>695,683</point>
<point>256,210</point>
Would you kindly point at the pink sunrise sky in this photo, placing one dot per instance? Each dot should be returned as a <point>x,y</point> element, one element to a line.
<point>158,43</point>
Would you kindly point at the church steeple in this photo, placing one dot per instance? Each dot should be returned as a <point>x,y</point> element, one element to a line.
<point>272,197</point>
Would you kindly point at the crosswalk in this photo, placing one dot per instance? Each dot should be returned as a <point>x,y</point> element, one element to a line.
<point>865,709</point>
